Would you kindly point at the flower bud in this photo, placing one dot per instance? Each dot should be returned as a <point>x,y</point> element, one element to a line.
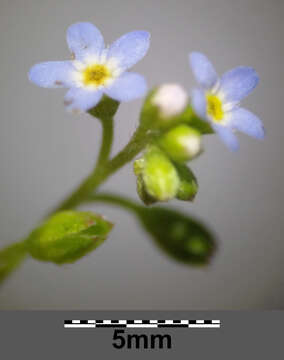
<point>171,99</point>
<point>164,107</point>
<point>188,183</point>
<point>181,237</point>
<point>157,176</point>
<point>67,236</point>
<point>181,143</point>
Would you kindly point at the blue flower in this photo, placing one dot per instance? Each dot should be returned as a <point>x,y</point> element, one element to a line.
<point>95,70</point>
<point>217,100</point>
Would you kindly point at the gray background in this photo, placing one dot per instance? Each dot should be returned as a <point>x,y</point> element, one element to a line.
<point>45,152</point>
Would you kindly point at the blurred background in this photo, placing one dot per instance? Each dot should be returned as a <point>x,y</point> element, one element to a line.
<point>45,152</point>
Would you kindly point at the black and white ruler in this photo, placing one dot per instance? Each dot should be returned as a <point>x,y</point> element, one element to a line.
<point>142,324</point>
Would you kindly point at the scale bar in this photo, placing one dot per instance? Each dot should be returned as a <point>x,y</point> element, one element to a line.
<point>142,324</point>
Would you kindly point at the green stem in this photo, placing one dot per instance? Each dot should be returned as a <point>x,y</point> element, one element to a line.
<point>107,138</point>
<point>116,200</point>
<point>136,144</point>
<point>11,257</point>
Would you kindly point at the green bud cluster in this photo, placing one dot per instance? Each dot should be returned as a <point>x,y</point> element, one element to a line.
<point>162,173</point>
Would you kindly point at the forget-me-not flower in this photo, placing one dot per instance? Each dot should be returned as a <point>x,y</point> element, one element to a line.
<point>218,99</point>
<point>95,70</point>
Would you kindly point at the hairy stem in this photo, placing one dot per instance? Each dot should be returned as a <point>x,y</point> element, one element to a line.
<point>115,199</point>
<point>105,169</point>
<point>107,138</point>
<point>11,257</point>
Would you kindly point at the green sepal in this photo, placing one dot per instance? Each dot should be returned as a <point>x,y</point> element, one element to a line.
<point>188,183</point>
<point>189,117</point>
<point>67,236</point>
<point>138,167</point>
<point>142,192</point>
<point>157,177</point>
<point>106,108</point>
<point>149,116</point>
<point>181,237</point>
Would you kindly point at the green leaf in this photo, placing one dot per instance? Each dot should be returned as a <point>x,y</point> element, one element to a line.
<point>106,108</point>
<point>67,236</point>
<point>181,237</point>
<point>10,258</point>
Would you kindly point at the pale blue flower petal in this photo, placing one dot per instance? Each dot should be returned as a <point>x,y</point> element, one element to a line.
<point>84,39</point>
<point>238,83</point>
<point>245,121</point>
<point>80,100</point>
<point>130,48</point>
<point>128,86</point>
<point>199,103</point>
<point>203,70</point>
<point>227,136</point>
<point>52,74</point>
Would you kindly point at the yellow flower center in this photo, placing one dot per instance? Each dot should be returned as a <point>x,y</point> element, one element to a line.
<point>96,75</point>
<point>214,107</point>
